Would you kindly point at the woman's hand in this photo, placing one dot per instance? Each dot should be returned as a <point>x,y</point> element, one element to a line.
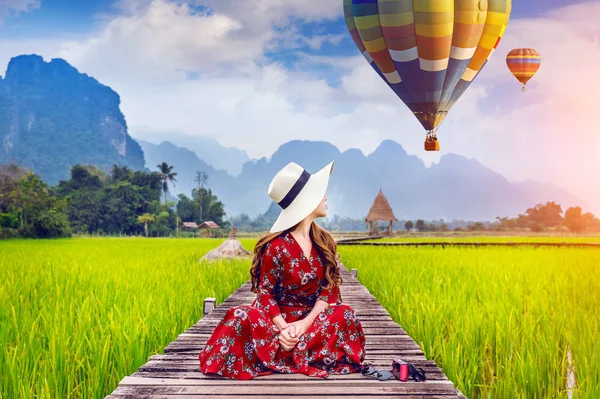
<point>279,322</point>
<point>300,327</point>
<point>286,340</point>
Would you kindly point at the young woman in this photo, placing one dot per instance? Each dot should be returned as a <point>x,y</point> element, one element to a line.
<point>297,323</point>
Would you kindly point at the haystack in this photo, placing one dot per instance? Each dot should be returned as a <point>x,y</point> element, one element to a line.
<point>229,249</point>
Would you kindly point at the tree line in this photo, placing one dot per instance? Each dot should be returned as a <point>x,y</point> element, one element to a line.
<point>540,218</point>
<point>122,202</point>
<point>127,202</point>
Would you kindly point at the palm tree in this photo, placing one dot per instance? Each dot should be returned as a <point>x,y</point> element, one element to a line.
<point>167,176</point>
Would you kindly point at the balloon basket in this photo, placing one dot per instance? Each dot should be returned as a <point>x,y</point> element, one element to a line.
<point>432,144</point>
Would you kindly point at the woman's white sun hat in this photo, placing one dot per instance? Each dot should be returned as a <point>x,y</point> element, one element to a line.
<point>298,193</point>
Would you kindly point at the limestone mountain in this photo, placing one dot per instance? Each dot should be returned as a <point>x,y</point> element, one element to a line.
<point>53,117</point>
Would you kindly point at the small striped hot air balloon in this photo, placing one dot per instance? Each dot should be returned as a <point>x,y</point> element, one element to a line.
<point>427,51</point>
<point>523,63</point>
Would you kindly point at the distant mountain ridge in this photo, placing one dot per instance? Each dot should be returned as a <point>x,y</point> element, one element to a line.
<point>208,149</point>
<point>454,188</point>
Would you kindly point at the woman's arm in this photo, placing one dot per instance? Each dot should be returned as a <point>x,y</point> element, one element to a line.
<point>326,298</point>
<point>270,274</point>
<point>318,308</point>
<point>332,296</point>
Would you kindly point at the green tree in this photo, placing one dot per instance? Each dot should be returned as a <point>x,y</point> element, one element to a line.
<point>187,209</point>
<point>11,195</point>
<point>40,213</point>
<point>84,194</point>
<point>162,227</point>
<point>52,223</point>
<point>536,227</point>
<point>574,220</point>
<point>145,219</point>
<point>548,215</point>
<point>121,173</point>
<point>505,223</point>
<point>200,179</point>
<point>589,221</point>
<point>214,209</point>
<point>100,202</point>
<point>167,175</point>
<point>409,225</point>
<point>420,225</point>
<point>478,226</point>
<point>121,205</point>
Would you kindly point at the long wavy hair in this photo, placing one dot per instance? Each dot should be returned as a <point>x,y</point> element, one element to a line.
<point>323,242</point>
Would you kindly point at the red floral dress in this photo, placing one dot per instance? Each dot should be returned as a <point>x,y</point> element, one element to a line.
<point>245,343</point>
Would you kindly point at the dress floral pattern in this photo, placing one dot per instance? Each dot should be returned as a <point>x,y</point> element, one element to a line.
<point>245,343</point>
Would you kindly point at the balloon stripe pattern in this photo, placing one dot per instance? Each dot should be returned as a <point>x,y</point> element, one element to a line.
<point>523,63</point>
<point>378,57</point>
<point>427,51</point>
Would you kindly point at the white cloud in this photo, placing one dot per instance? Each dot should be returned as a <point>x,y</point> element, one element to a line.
<point>163,40</point>
<point>163,43</point>
<point>315,42</point>
<point>277,11</point>
<point>8,7</point>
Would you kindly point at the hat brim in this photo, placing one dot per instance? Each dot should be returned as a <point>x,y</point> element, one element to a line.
<point>306,202</point>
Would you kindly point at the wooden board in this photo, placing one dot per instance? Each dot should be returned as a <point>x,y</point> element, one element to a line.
<point>175,373</point>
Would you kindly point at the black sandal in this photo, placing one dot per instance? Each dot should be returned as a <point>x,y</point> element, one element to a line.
<point>368,371</point>
<point>372,373</point>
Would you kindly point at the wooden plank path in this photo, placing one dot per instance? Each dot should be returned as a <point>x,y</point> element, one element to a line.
<point>175,374</point>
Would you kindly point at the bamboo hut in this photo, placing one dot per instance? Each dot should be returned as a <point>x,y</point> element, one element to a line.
<point>208,228</point>
<point>380,211</point>
<point>189,226</point>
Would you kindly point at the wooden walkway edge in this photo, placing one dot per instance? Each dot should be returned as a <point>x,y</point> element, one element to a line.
<point>175,374</point>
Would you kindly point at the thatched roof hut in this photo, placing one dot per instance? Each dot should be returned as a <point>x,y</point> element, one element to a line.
<point>189,225</point>
<point>209,225</point>
<point>380,211</point>
<point>208,228</point>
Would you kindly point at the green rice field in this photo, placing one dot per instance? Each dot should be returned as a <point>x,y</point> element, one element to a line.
<point>78,315</point>
<point>499,321</point>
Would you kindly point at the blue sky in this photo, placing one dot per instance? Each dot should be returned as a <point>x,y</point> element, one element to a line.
<point>56,17</point>
<point>62,18</point>
<point>255,74</point>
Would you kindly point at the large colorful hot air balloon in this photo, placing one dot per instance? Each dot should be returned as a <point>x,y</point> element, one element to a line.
<point>523,63</point>
<point>427,51</point>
